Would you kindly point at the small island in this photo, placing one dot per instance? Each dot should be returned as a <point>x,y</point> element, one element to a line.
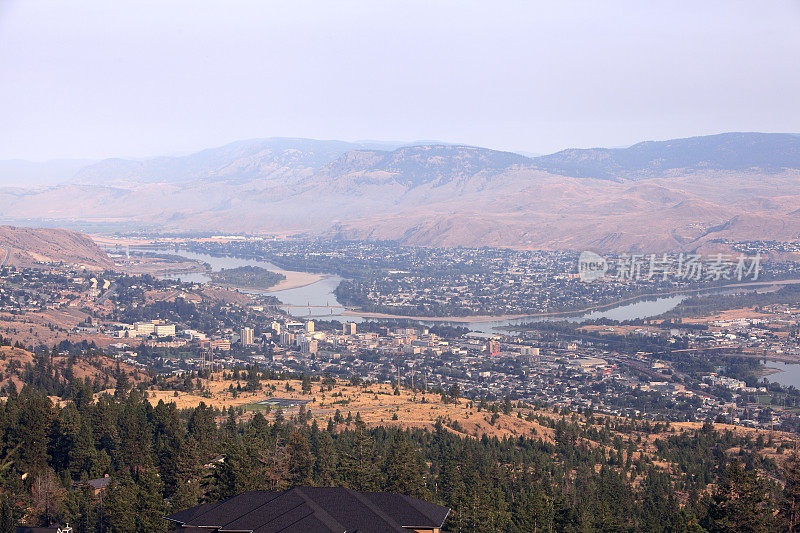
<point>247,277</point>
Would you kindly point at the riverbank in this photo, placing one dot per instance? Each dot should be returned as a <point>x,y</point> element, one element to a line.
<point>569,314</point>
<point>784,372</point>
<point>292,279</point>
<point>295,280</point>
<point>465,319</point>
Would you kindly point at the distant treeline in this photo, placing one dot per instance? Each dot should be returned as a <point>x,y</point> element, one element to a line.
<point>708,304</point>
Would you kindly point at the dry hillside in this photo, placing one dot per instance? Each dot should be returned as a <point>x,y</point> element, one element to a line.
<point>17,366</point>
<point>31,247</point>
<point>378,405</point>
<point>653,196</point>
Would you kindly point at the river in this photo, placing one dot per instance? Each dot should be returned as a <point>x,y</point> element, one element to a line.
<point>322,293</point>
<point>314,294</point>
<point>788,373</point>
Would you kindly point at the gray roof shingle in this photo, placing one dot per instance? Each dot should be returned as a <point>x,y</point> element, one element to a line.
<point>314,510</point>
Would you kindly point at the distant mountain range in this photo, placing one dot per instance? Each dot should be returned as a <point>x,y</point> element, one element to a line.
<point>238,161</point>
<point>726,151</point>
<point>681,193</point>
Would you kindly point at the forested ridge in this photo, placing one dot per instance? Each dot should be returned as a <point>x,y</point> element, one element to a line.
<point>592,476</point>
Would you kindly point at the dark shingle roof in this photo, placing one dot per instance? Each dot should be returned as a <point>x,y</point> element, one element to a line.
<point>314,510</point>
<point>409,511</point>
<point>185,516</point>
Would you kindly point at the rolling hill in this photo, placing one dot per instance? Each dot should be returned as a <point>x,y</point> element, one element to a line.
<point>726,151</point>
<point>30,247</point>
<point>652,196</point>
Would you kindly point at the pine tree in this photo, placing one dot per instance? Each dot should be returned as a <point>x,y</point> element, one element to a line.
<point>359,462</point>
<point>300,461</point>
<point>202,428</point>
<point>659,507</point>
<point>135,436</point>
<point>83,457</point>
<point>151,506</point>
<point>121,511</point>
<point>741,504</point>
<point>403,467</point>
<point>323,450</point>
<point>790,505</point>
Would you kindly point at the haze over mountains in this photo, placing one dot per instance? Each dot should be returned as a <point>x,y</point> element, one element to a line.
<point>652,196</point>
<point>21,173</point>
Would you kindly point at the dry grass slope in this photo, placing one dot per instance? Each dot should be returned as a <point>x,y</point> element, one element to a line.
<point>30,247</point>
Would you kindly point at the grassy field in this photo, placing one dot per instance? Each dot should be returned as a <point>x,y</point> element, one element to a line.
<point>378,405</point>
<point>256,407</point>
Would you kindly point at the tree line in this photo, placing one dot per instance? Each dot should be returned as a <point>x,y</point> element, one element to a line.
<point>161,459</point>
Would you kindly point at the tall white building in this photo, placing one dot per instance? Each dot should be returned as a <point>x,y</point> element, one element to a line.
<point>247,336</point>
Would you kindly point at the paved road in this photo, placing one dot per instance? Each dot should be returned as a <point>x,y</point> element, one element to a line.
<point>105,296</point>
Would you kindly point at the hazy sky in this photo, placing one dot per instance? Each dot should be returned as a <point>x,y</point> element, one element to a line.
<point>114,78</point>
